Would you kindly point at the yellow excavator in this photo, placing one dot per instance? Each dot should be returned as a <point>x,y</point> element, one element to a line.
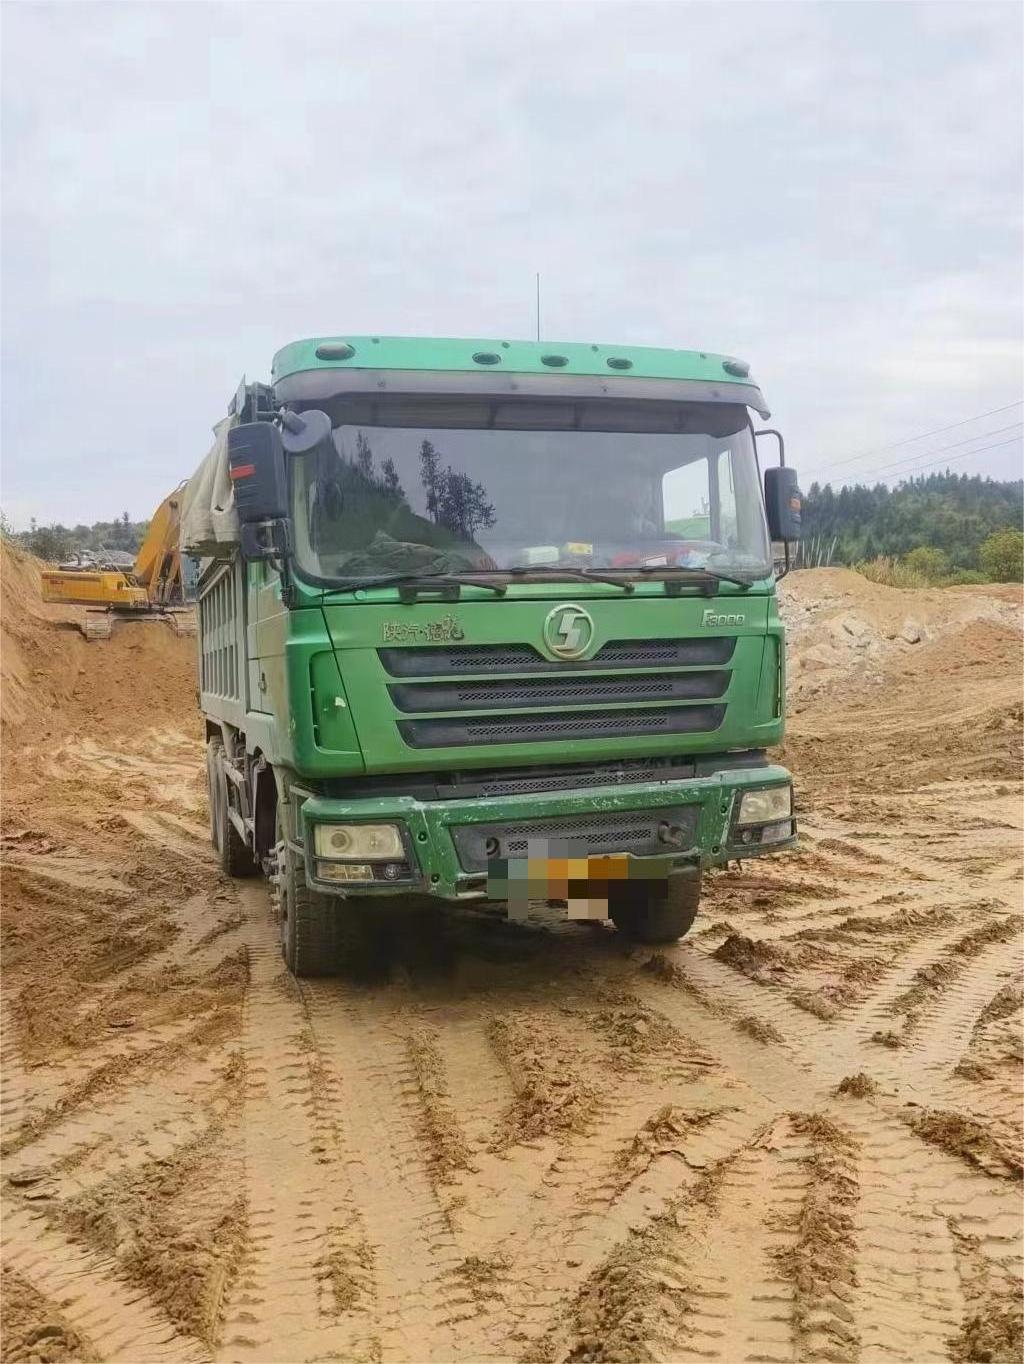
<point>152,588</point>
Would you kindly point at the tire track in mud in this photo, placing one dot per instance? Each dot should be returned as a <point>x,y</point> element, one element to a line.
<point>363,1050</point>
<point>16,1092</point>
<point>902,1254</point>
<point>125,1131</point>
<point>740,1303</point>
<point>850,1035</point>
<point>908,1301</point>
<point>112,1315</point>
<point>749,1261</point>
<point>622,1174</point>
<point>298,1294</point>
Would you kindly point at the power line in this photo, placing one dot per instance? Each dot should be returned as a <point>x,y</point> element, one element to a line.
<point>938,430</point>
<point>924,468</point>
<point>953,445</point>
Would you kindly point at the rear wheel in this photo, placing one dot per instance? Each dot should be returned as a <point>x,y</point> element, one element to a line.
<point>235,857</point>
<point>656,911</point>
<point>212,782</point>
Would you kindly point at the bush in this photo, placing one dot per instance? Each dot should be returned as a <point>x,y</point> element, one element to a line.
<point>890,572</point>
<point>965,577</point>
<point>932,564</point>
<point>49,543</point>
<point>1002,556</point>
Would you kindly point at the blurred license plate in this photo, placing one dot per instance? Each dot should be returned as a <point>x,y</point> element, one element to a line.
<point>581,882</point>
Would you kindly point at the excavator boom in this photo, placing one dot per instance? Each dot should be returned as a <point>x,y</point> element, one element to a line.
<point>158,562</point>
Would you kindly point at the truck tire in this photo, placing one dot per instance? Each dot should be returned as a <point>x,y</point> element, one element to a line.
<point>643,914</point>
<point>212,780</point>
<point>309,921</point>
<point>236,859</point>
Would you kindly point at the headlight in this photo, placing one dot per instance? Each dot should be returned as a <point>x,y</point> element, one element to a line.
<point>760,807</point>
<point>358,841</point>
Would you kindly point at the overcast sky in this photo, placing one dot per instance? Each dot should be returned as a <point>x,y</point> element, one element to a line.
<point>832,191</point>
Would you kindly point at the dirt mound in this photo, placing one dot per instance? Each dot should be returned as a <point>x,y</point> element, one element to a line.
<point>842,628</point>
<point>754,959</point>
<point>858,1086</point>
<point>54,684</point>
<point>893,686</point>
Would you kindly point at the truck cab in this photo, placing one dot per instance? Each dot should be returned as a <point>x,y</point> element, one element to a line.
<point>491,621</point>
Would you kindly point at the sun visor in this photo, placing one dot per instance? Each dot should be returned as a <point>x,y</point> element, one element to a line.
<point>317,387</point>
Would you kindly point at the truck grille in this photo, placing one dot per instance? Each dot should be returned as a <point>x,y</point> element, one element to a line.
<point>461,659</point>
<point>554,691</point>
<point>630,688</point>
<point>591,724</point>
<point>623,831</point>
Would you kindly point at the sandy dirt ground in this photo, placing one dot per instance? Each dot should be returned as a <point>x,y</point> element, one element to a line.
<point>795,1136</point>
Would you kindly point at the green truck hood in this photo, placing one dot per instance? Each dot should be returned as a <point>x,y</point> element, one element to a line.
<point>479,683</point>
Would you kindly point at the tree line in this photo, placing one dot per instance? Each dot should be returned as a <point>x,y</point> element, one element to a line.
<point>954,514</point>
<point>56,541</point>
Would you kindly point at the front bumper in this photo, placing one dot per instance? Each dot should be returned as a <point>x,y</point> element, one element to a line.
<point>433,857</point>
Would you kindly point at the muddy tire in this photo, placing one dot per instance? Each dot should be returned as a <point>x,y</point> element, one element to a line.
<point>309,941</point>
<point>321,935</point>
<point>235,857</point>
<point>644,915</point>
<point>212,789</point>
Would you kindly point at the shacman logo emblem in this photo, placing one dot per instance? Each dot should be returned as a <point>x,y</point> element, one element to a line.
<point>568,631</point>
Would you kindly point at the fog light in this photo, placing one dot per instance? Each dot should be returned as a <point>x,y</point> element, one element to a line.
<point>358,840</point>
<point>761,807</point>
<point>344,871</point>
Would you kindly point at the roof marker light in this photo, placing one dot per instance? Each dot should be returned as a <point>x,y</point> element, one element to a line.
<point>487,357</point>
<point>738,367</point>
<point>554,361</point>
<point>618,362</point>
<point>335,350</point>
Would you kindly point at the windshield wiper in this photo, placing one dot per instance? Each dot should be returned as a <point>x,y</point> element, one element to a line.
<point>682,574</point>
<point>555,574</point>
<point>706,573</point>
<point>411,584</point>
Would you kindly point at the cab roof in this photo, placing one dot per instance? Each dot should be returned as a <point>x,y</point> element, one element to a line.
<point>415,355</point>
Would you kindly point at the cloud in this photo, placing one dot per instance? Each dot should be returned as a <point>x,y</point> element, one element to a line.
<point>832,191</point>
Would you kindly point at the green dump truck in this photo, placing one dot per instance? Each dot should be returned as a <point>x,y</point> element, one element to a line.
<point>485,620</point>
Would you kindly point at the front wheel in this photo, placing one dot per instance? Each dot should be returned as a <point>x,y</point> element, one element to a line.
<point>656,911</point>
<point>321,935</point>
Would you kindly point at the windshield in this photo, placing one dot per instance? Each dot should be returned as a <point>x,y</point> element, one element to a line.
<point>424,488</point>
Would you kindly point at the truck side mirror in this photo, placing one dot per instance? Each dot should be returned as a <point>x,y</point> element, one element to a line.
<point>782,503</point>
<point>257,469</point>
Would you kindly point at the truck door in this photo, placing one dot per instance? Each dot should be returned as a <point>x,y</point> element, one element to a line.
<point>266,633</point>
<point>253,592</point>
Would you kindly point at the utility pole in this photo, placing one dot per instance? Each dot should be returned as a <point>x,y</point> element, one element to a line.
<point>538,305</point>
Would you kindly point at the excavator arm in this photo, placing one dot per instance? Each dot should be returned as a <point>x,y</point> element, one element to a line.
<point>158,562</point>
